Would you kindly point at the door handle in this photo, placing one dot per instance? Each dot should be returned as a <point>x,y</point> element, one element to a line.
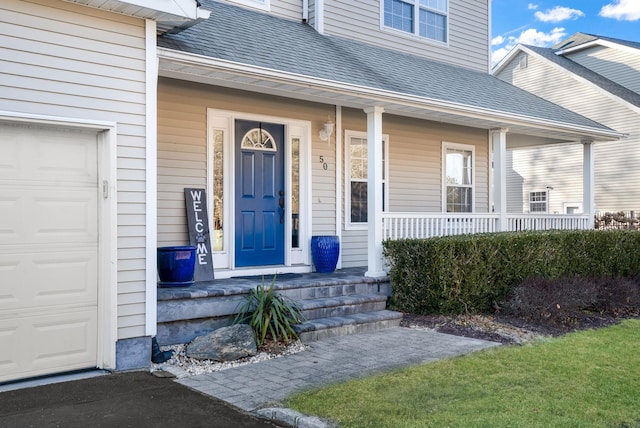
<point>281,203</point>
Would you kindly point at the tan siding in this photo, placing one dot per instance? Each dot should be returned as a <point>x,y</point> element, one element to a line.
<point>63,60</point>
<point>616,172</point>
<point>621,65</point>
<point>415,170</point>
<point>182,143</point>
<point>468,31</point>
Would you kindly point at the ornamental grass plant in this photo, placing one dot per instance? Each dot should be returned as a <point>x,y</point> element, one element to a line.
<point>270,314</point>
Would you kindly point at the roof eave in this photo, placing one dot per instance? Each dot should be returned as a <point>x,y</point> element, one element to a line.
<point>382,96</point>
<point>506,59</point>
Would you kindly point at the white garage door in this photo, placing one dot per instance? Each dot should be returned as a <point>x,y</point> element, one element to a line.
<point>48,250</point>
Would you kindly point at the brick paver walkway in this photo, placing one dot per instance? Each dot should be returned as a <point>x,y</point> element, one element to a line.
<point>266,383</point>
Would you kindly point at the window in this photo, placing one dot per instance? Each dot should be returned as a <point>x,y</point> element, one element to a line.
<point>538,202</point>
<point>458,177</point>
<point>425,18</point>
<point>356,171</point>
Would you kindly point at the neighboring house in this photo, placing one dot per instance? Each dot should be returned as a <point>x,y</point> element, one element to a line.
<point>287,113</point>
<point>597,77</point>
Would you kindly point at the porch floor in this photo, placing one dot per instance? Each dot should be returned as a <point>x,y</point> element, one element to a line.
<point>284,281</point>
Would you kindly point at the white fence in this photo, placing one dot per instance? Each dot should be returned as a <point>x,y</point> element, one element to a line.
<point>417,225</point>
<point>520,222</point>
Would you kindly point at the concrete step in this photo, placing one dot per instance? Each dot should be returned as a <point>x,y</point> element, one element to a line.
<point>349,324</point>
<point>339,306</point>
<point>187,312</point>
<point>223,298</point>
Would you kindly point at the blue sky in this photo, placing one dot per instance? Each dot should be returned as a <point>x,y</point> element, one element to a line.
<point>546,22</point>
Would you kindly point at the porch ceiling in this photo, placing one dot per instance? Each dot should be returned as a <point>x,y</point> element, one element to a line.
<point>523,131</point>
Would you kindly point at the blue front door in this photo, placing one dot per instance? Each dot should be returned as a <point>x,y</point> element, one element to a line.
<point>260,210</point>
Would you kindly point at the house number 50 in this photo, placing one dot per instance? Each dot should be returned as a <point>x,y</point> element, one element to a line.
<point>324,163</point>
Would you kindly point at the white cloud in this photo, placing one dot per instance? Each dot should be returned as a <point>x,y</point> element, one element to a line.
<point>532,6</point>
<point>622,10</point>
<point>559,14</point>
<point>530,36</point>
<point>538,38</point>
<point>498,40</point>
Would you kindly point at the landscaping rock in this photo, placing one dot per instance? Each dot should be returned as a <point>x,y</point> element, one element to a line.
<point>224,344</point>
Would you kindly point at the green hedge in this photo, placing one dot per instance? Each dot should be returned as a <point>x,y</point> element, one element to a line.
<point>456,274</point>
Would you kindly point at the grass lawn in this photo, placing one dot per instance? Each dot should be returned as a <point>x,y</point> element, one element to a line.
<point>585,379</point>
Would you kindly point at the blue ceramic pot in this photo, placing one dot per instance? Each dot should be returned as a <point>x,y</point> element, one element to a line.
<point>176,266</point>
<point>325,250</point>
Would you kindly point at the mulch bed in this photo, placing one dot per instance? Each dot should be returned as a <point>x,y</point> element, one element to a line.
<point>478,328</point>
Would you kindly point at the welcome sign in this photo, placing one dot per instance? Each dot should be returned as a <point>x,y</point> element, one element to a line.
<point>197,220</point>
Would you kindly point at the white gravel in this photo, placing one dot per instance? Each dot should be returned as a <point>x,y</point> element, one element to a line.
<point>181,365</point>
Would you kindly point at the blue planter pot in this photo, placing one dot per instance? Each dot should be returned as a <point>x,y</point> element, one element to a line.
<point>325,250</point>
<point>176,266</point>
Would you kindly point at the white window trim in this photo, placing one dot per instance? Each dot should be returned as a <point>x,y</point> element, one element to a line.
<point>445,146</point>
<point>348,135</point>
<point>416,31</point>
<point>296,259</point>
<point>546,202</point>
<point>578,205</point>
<point>255,4</point>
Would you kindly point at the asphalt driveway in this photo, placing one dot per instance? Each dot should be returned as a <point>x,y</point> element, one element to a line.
<point>135,399</point>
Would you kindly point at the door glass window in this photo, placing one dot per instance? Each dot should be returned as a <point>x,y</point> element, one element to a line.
<point>295,192</point>
<point>259,139</point>
<point>218,189</point>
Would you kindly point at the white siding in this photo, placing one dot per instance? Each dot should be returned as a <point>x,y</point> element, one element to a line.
<point>468,44</point>
<point>542,168</point>
<point>415,170</point>
<point>617,178</point>
<point>59,59</point>
<point>621,65</point>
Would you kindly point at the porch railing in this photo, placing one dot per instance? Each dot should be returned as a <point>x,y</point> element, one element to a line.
<point>419,225</point>
<point>519,222</point>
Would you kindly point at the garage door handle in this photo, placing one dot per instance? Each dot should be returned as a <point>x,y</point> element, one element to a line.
<point>105,189</point>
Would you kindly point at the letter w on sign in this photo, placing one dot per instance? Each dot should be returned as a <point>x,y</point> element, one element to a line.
<point>198,222</point>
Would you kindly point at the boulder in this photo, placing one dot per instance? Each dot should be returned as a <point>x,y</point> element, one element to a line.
<point>224,344</point>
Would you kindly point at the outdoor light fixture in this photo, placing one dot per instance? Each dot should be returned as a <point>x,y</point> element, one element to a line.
<point>326,131</point>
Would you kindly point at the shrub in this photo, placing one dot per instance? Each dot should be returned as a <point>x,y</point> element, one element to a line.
<point>456,274</point>
<point>565,302</point>
<point>270,315</point>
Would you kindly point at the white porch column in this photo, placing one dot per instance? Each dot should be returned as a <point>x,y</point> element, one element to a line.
<point>499,142</point>
<point>374,192</point>
<point>588,181</point>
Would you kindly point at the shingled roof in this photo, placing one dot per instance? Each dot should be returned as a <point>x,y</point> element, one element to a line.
<point>579,39</point>
<point>587,74</point>
<point>258,39</point>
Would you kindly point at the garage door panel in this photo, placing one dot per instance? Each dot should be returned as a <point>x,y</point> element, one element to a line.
<point>49,250</point>
<point>58,276</point>
<point>38,216</point>
<point>42,154</point>
<point>41,344</point>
